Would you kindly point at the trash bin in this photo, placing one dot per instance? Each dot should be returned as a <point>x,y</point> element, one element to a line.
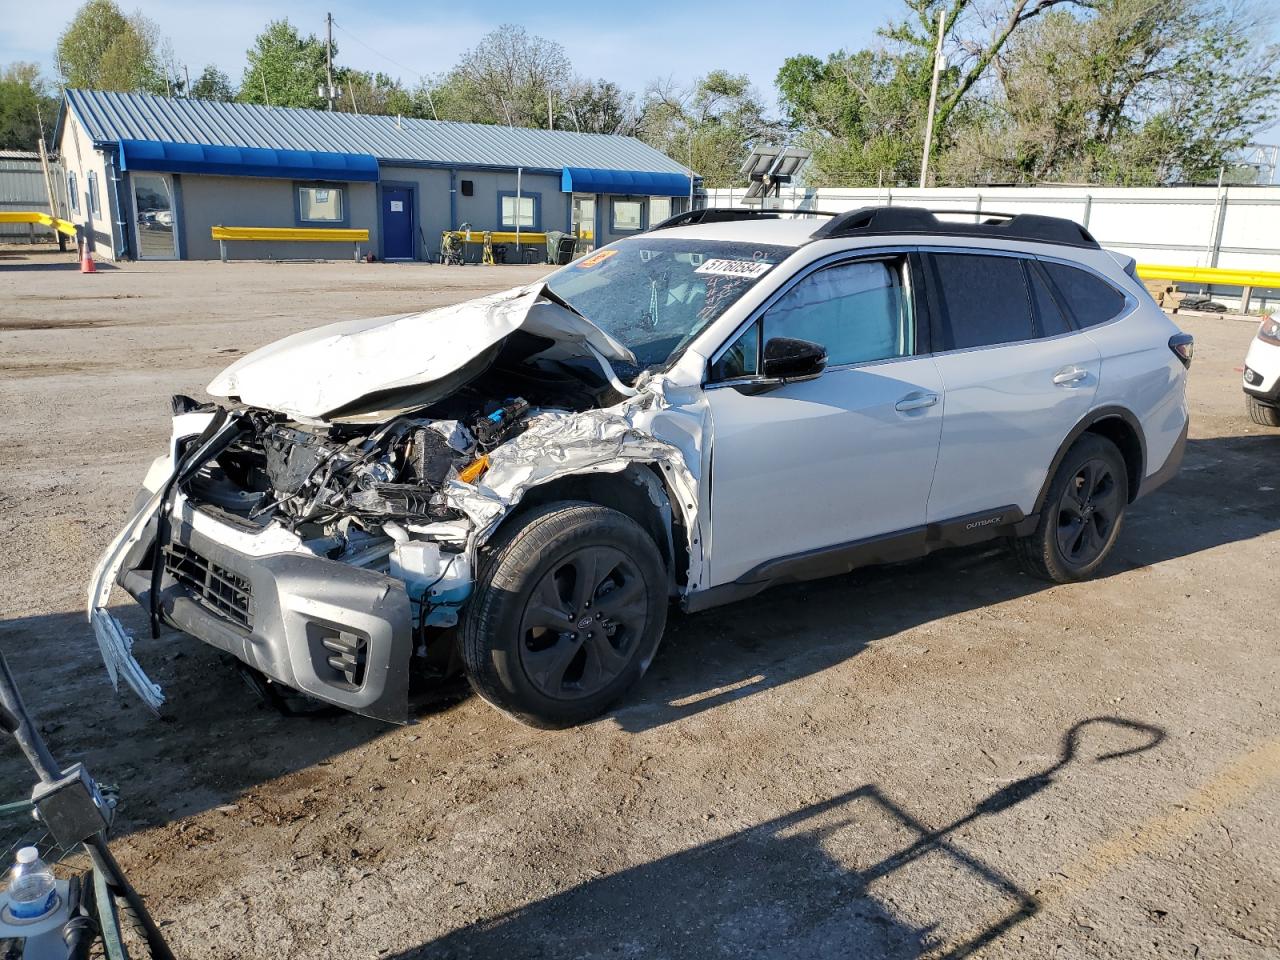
<point>553,245</point>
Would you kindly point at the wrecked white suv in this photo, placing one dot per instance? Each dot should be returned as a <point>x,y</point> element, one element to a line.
<point>521,484</point>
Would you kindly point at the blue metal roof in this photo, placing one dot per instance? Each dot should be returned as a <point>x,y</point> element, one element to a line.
<point>636,182</point>
<point>109,117</point>
<point>246,161</point>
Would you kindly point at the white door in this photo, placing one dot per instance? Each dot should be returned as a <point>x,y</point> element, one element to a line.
<point>1017,379</point>
<point>153,216</point>
<point>826,462</point>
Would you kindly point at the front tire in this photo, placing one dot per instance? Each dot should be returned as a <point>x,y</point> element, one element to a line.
<point>567,613</point>
<point>1261,413</point>
<point>1082,513</point>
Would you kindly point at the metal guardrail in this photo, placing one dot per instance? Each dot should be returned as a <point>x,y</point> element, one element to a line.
<point>1216,276</point>
<point>63,228</point>
<point>290,235</point>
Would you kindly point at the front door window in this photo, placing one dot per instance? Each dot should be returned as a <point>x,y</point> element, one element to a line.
<point>153,216</point>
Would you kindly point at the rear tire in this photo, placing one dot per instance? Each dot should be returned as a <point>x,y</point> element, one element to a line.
<point>567,613</point>
<point>1081,516</point>
<point>1261,413</point>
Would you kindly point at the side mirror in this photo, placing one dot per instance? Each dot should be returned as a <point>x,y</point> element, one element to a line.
<point>787,359</point>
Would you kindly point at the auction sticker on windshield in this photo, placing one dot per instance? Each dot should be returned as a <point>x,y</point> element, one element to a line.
<point>596,258</point>
<point>747,269</point>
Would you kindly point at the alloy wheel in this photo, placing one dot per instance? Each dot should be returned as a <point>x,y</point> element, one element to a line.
<point>1087,512</point>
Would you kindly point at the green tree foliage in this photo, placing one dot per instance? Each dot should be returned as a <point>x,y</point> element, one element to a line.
<point>285,69</point>
<point>24,104</point>
<point>102,49</point>
<point>711,126</point>
<point>212,84</point>
<point>509,77</point>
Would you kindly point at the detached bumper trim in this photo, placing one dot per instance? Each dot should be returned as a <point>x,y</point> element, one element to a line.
<point>300,602</point>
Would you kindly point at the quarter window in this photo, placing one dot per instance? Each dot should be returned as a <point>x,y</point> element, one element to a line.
<point>320,204</point>
<point>983,301</point>
<point>858,311</point>
<point>742,359</point>
<point>1090,299</point>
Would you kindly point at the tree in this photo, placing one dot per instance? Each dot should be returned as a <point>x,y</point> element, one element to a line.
<point>595,106</point>
<point>24,104</point>
<point>711,125</point>
<point>102,49</point>
<point>284,68</point>
<point>509,77</point>
<point>212,84</point>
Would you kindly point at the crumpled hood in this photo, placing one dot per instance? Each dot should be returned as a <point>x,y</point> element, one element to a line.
<point>400,363</point>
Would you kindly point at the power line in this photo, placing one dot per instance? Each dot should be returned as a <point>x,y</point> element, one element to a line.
<point>378,53</point>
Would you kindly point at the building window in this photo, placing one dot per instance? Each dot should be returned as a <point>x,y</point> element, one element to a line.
<point>530,210</point>
<point>73,193</point>
<point>659,209</point>
<point>321,203</point>
<point>93,192</point>
<point>626,216</point>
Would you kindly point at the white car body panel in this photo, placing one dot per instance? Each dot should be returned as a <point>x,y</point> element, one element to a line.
<point>1264,359</point>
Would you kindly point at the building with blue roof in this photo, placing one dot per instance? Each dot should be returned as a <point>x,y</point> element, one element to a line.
<point>149,177</point>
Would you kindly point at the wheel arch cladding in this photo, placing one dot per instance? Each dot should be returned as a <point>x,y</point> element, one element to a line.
<point>1119,426</point>
<point>639,492</point>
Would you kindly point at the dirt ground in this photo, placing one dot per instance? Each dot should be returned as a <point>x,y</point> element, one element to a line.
<point>938,759</point>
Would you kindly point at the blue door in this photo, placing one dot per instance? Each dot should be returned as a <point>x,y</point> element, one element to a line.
<point>397,223</point>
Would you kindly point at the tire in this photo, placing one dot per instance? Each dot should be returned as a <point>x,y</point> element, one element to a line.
<point>1082,514</point>
<point>1261,413</point>
<point>541,644</point>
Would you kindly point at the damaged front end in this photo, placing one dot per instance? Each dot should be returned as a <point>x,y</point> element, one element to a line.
<point>325,542</point>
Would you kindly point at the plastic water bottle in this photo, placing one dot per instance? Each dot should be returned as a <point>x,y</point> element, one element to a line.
<point>32,892</point>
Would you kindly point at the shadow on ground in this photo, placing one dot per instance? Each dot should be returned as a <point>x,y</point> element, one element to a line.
<point>784,888</point>
<point>706,661</point>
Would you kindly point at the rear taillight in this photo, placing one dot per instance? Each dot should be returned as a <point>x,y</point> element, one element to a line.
<point>1184,345</point>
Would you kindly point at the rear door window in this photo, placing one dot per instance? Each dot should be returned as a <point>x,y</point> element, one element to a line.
<point>1090,299</point>
<point>982,301</point>
<point>1049,315</point>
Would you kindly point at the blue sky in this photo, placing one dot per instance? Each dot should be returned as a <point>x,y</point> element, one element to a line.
<point>628,43</point>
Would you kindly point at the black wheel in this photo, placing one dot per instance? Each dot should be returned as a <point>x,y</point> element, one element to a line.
<point>1082,513</point>
<point>1261,413</point>
<point>568,610</point>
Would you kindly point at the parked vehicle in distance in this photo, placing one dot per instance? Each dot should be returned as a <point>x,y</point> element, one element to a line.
<point>1262,375</point>
<point>522,483</point>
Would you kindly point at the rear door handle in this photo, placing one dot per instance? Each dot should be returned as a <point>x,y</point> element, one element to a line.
<point>916,401</point>
<point>1069,375</point>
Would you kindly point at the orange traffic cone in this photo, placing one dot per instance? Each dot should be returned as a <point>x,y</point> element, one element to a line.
<point>86,261</point>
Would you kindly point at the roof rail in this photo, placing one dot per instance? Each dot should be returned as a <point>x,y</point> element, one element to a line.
<point>882,221</point>
<point>727,214</point>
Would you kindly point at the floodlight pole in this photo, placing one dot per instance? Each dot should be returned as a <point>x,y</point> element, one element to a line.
<point>933,99</point>
<point>328,57</point>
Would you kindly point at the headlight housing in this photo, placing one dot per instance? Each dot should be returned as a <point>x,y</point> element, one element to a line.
<point>1269,331</point>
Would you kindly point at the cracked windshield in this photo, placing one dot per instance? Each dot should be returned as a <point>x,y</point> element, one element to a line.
<point>654,296</point>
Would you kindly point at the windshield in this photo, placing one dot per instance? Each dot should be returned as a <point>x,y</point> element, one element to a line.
<point>655,294</point>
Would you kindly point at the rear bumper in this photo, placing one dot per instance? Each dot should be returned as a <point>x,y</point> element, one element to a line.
<point>339,633</point>
<point>1170,466</point>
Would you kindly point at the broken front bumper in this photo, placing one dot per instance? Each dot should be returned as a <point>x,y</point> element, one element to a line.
<point>339,633</point>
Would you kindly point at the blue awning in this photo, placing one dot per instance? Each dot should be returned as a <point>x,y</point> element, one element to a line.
<point>246,161</point>
<point>631,182</point>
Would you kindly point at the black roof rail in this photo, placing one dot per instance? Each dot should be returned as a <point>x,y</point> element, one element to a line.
<point>728,214</point>
<point>888,221</point>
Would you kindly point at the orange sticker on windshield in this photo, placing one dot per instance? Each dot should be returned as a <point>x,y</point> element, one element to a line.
<point>597,258</point>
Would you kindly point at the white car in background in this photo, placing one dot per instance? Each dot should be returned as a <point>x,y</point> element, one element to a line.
<point>521,484</point>
<point>1262,375</point>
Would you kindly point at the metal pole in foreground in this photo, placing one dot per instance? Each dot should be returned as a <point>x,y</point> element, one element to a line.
<point>519,204</point>
<point>328,57</point>
<point>933,100</point>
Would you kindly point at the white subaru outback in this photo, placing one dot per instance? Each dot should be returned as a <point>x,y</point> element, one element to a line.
<point>521,484</point>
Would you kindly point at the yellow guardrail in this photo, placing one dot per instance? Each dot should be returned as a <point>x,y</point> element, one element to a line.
<point>1217,276</point>
<point>35,216</point>
<point>500,236</point>
<point>350,235</point>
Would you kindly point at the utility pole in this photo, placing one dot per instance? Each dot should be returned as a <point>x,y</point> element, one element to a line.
<point>328,57</point>
<point>933,99</point>
<point>186,72</point>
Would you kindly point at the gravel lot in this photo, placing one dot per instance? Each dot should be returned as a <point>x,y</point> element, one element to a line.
<point>938,759</point>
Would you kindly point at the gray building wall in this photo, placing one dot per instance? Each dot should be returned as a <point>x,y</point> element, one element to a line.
<point>205,202</point>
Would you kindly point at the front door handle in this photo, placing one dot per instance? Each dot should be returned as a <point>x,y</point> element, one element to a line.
<point>916,401</point>
<point>1069,375</point>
